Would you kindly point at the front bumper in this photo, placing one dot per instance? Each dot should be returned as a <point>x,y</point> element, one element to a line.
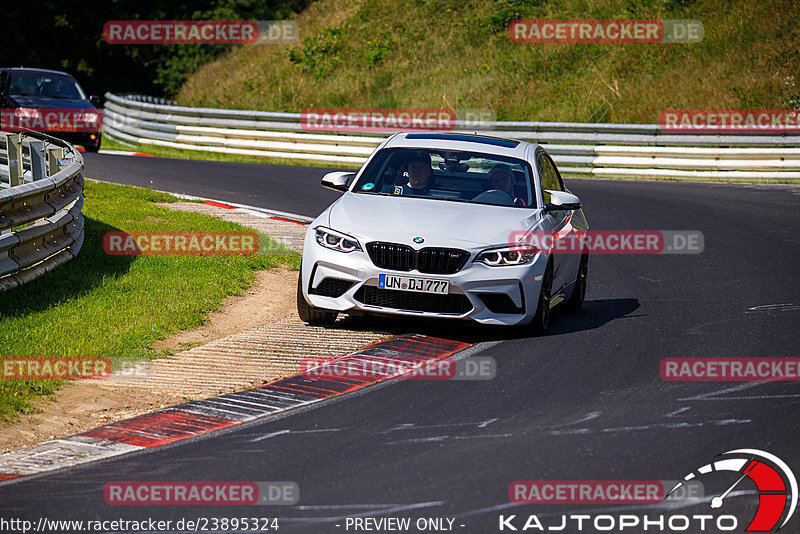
<point>488,295</point>
<point>79,138</point>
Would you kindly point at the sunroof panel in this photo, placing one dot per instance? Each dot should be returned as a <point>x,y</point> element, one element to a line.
<point>462,137</point>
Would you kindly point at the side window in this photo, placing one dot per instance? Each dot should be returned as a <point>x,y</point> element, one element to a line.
<point>558,174</point>
<point>549,176</point>
<point>3,79</point>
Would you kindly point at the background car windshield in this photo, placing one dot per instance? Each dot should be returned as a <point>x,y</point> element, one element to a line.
<point>45,85</point>
<point>449,175</point>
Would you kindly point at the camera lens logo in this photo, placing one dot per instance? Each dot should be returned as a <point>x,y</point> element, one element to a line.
<point>775,482</point>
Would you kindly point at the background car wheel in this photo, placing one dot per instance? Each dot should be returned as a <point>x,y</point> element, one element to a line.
<point>309,314</point>
<point>575,302</point>
<point>542,318</point>
<point>95,147</point>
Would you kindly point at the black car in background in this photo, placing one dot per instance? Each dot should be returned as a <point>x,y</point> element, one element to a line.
<point>51,102</point>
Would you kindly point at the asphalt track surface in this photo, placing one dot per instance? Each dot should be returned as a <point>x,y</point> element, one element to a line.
<point>583,402</point>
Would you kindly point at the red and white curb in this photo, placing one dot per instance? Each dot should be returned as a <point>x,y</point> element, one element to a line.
<point>264,213</point>
<point>202,417</point>
<point>251,210</point>
<point>124,153</point>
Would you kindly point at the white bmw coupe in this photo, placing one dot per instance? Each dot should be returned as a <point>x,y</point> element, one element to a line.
<point>438,225</point>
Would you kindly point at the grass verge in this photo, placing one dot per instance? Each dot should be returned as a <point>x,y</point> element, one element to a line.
<point>458,54</point>
<point>100,305</point>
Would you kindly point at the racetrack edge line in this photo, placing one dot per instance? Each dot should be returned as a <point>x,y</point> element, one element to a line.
<point>132,439</point>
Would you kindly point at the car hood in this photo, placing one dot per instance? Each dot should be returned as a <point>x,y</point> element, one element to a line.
<point>19,101</point>
<point>440,223</point>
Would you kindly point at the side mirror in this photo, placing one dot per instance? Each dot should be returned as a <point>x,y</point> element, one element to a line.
<point>338,181</point>
<point>561,200</point>
<point>94,100</point>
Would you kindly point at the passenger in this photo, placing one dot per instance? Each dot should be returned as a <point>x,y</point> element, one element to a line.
<point>419,175</point>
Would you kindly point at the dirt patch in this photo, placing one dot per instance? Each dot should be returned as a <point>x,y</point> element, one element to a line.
<point>271,297</point>
<point>82,406</point>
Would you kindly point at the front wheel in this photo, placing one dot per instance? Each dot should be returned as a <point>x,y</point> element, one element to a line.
<point>575,302</point>
<point>93,147</point>
<point>308,313</point>
<point>542,318</point>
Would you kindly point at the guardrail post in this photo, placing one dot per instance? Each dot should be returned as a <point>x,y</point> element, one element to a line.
<point>14,148</point>
<point>38,160</point>
<point>53,155</point>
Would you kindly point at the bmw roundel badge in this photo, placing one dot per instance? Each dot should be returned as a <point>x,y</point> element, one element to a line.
<point>418,240</point>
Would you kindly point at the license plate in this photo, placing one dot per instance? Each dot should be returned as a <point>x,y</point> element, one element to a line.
<point>419,285</point>
<point>55,126</point>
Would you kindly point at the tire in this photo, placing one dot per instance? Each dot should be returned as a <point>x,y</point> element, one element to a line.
<point>542,318</point>
<point>575,302</point>
<point>95,147</point>
<point>308,313</point>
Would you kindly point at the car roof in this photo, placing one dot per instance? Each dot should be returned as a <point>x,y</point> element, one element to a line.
<point>460,141</point>
<point>27,69</point>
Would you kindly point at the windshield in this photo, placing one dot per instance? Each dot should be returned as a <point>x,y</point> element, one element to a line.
<point>449,175</point>
<point>45,85</point>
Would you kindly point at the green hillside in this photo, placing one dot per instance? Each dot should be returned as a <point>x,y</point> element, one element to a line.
<point>457,54</point>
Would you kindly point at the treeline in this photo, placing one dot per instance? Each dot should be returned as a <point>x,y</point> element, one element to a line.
<point>68,36</point>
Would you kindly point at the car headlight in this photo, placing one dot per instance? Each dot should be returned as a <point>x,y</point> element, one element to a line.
<point>501,257</point>
<point>27,113</point>
<point>90,117</point>
<point>336,241</point>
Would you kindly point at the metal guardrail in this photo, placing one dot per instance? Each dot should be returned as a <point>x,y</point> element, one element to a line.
<point>41,196</point>
<point>151,99</point>
<point>578,148</point>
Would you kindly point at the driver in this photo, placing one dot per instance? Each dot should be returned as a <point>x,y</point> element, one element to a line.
<point>501,177</point>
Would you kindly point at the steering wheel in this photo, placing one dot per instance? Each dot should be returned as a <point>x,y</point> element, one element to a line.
<point>498,197</point>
